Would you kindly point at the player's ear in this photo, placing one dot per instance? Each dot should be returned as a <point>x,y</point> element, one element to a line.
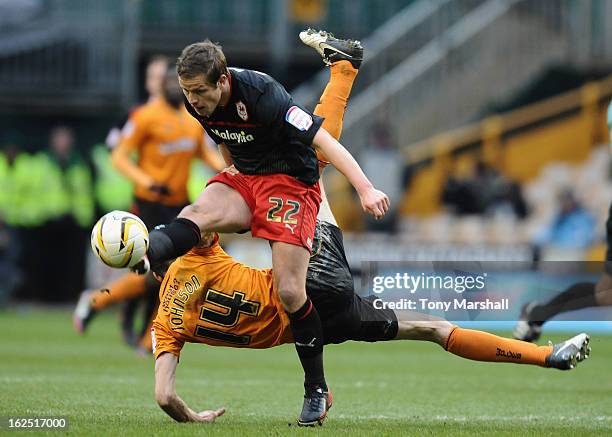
<point>222,80</point>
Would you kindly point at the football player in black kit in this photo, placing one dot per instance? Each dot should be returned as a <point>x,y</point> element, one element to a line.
<point>576,296</point>
<point>273,142</point>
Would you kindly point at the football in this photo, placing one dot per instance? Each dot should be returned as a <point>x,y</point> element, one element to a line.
<point>120,239</point>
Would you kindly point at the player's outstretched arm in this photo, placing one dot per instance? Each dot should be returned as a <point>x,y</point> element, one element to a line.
<point>169,401</point>
<point>373,201</point>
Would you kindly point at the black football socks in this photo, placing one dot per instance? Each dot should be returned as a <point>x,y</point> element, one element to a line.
<point>308,338</point>
<point>577,296</point>
<point>170,241</point>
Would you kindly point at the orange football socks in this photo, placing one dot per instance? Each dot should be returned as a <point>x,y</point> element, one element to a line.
<point>335,97</point>
<point>127,287</point>
<point>482,346</point>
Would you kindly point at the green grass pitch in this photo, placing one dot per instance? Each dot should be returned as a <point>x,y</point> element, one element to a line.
<point>398,388</point>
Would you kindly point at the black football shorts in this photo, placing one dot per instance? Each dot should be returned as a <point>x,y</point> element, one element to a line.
<point>329,284</point>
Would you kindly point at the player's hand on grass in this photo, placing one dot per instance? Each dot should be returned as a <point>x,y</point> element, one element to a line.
<point>209,416</point>
<point>374,202</point>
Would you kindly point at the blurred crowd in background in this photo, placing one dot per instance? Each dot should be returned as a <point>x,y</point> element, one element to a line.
<point>470,150</point>
<point>48,204</point>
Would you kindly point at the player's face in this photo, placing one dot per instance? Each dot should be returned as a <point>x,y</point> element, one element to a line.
<point>155,76</point>
<point>202,95</point>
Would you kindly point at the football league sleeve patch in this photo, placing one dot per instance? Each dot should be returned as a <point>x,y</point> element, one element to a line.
<point>301,124</point>
<point>298,118</point>
<point>276,108</point>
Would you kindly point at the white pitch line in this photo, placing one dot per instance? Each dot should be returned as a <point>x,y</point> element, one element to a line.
<point>461,419</point>
<point>529,418</point>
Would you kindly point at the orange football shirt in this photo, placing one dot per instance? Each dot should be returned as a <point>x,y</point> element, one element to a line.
<point>166,141</point>
<point>208,297</point>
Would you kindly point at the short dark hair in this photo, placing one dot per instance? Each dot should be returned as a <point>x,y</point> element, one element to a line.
<point>204,57</point>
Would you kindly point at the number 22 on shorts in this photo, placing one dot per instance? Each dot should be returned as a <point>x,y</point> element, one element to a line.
<point>276,208</point>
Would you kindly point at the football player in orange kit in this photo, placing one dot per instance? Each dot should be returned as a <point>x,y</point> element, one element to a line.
<point>208,297</point>
<point>166,139</point>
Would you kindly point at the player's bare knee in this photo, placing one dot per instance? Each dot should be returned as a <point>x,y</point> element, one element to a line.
<point>205,218</point>
<point>430,331</point>
<point>292,298</point>
<point>435,331</point>
<point>291,291</point>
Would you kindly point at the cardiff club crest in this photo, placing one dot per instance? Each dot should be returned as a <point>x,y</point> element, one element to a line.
<point>242,111</point>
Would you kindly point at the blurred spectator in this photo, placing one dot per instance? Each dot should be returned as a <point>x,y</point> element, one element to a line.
<point>10,251</point>
<point>69,180</point>
<point>8,159</point>
<point>486,191</point>
<point>28,212</point>
<point>10,247</point>
<point>68,199</point>
<point>384,165</point>
<point>112,189</point>
<point>497,193</point>
<point>573,227</point>
<point>23,212</point>
<point>461,196</point>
